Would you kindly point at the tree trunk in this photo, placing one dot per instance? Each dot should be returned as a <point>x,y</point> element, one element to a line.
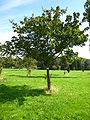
<point>28,72</point>
<point>0,70</point>
<point>48,79</point>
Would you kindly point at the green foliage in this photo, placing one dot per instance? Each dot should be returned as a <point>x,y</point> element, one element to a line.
<point>54,67</point>
<point>23,97</point>
<point>29,62</point>
<point>67,59</point>
<point>64,62</point>
<point>87,64</point>
<point>7,61</point>
<point>18,63</point>
<point>46,37</point>
<point>87,11</point>
<point>80,63</point>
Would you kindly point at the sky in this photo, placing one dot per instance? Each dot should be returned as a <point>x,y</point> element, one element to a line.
<point>17,9</point>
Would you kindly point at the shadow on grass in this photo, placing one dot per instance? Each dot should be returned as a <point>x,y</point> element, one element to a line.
<point>10,93</point>
<point>56,76</point>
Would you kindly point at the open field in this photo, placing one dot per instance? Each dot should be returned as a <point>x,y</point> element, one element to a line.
<point>24,98</point>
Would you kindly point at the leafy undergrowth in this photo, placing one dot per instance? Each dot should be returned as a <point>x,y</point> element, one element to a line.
<point>25,98</point>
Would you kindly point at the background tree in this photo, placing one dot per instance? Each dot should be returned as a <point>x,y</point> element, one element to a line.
<point>8,62</point>
<point>29,63</point>
<point>67,59</point>
<point>18,63</point>
<point>46,37</point>
<point>87,64</point>
<point>80,63</point>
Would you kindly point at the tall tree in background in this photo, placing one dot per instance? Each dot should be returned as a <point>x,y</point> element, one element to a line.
<point>87,64</point>
<point>87,11</point>
<point>67,59</point>
<point>46,37</point>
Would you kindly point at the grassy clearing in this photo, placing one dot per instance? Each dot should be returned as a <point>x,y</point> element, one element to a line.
<point>24,98</point>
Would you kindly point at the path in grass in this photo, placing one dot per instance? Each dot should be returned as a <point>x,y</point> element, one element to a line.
<point>24,98</point>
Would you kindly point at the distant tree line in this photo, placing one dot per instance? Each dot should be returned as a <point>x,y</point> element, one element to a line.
<point>61,63</point>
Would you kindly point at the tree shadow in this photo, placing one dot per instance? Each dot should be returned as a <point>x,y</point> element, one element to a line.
<point>23,76</point>
<point>10,93</point>
<point>56,76</point>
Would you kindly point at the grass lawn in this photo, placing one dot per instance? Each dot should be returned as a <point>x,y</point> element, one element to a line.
<point>24,98</point>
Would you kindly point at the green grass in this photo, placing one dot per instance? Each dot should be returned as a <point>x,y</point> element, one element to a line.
<point>24,98</point>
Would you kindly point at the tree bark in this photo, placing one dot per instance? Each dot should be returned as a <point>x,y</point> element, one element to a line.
<point>28,72</point>
<point>48,79</point>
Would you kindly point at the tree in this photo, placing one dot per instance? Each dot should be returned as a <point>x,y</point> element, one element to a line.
<point>67,59</point>
<point>7,61</point>
<point>87,11</point>
<point>87,64</point>
<point>46,37</point>
<point>29,63</point>
<point>18,63</point>
<point>80,63</point>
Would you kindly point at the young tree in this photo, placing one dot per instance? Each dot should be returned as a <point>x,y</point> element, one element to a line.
<point>29,63</point>
<point>67,59</point>
<point>18,63</point>
<point>46,37</point>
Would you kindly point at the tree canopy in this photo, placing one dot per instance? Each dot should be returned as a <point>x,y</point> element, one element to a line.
<point>45,37</point>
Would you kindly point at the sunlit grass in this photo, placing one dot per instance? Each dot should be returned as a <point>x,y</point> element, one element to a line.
<point>25,98</point>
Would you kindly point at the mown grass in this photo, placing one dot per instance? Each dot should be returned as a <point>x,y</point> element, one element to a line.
<point>24,98</point>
